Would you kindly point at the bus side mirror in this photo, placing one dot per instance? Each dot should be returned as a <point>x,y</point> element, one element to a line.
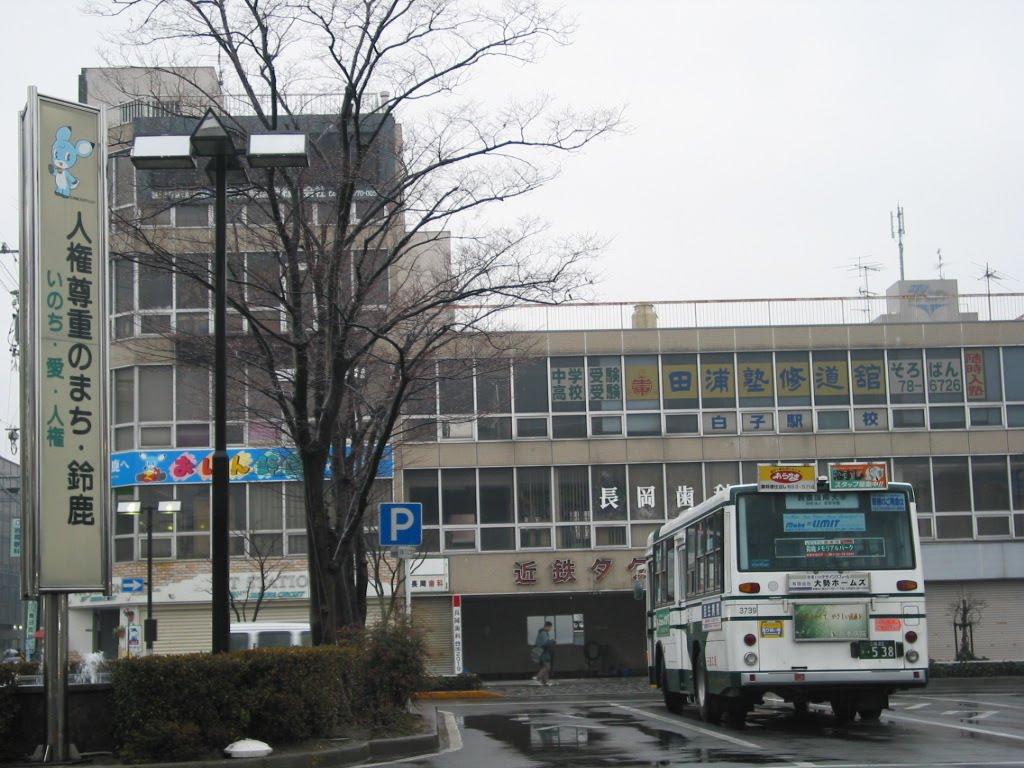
<point>638,589</point>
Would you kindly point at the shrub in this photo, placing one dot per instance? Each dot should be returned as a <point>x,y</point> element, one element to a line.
<point>938,669</point>
<point>390,670</point>
<point>8,709</point>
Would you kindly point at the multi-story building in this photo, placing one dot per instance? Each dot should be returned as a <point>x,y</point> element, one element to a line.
<point>12,609</point>
<point>543,472</point>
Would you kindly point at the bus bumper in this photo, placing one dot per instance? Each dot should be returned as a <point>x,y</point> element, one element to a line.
<point>896,678</point>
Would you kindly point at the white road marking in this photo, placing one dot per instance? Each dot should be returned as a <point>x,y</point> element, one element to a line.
<point>976,702</point>
<point>969,715</point>
<point>953,726</point>
<point>687,726</point>
<point>919,706</point>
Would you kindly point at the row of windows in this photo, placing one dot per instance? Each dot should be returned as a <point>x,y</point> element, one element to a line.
<point>565,507</point>
<point>160,297</point>
<point>723,380</point>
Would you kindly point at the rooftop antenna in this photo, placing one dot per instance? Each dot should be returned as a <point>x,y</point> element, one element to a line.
<point>940,265</point>
<point>989,275</point>
<point>864,269</point>
<point>896,227</point>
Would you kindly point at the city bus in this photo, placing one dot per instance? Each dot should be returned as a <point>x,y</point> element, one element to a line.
<point>808,588</point>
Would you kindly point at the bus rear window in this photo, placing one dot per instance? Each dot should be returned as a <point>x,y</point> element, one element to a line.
<point>824,531</point>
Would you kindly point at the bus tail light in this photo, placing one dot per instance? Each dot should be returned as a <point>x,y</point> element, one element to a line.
<point>749,639</point>
<point>906,585</point>
<point>911,636</point>
<point>750,587</point>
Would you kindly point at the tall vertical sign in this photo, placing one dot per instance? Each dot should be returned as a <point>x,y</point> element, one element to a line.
<point>65,473</point>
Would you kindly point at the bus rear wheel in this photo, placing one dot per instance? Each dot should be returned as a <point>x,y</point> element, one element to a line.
<point>673,701</point>
<point>706,701</point>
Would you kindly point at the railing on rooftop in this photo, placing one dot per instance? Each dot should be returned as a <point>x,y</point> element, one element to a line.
<point>731,313</point>
<point>232,104</point>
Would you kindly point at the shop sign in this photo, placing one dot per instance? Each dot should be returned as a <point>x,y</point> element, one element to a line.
<point>787,477</point>
<point>858,476</point>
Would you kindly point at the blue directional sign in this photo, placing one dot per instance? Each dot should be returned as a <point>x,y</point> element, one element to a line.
<point>133,585</point>
<point>401,524</point>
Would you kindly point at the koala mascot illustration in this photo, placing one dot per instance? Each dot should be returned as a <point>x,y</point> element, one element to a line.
<point>65,155</point>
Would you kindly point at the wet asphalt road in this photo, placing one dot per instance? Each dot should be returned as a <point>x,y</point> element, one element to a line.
<point>622,723</point>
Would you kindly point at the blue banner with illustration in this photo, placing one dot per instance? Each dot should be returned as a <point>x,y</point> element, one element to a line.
<point>246,465</point>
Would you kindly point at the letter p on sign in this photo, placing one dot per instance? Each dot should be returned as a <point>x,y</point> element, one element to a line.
<point>401,524</point>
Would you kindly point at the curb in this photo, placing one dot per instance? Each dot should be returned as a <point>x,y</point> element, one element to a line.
<point>435,695</point>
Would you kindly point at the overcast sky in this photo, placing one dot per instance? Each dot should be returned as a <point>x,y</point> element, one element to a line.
<point>768,142</point>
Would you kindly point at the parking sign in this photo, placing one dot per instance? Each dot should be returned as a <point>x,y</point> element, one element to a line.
<point>401,524</point>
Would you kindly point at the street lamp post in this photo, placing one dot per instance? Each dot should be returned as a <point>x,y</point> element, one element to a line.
<point>136,508</point>
<point>212,140</point>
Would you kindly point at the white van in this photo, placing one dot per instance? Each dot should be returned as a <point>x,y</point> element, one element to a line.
<point>269,634</point>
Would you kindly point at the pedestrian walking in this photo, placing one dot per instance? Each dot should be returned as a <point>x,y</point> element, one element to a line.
<point>543,653</point>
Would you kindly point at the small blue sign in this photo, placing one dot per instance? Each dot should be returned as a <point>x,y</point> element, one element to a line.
<point>888,502</point>
<point>401,524</point>
<point>133,585</point>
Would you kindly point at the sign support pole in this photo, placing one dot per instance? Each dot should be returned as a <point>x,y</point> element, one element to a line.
<point>55,677</point>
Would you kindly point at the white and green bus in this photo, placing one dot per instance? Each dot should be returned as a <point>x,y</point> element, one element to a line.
<point>809,589</point>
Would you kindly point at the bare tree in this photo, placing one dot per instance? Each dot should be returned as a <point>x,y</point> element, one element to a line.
<point>966,611</point>
<point>348,309</point>
<point>265,552</point>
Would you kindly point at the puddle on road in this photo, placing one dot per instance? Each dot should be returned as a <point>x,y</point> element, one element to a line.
<point>598,737</point>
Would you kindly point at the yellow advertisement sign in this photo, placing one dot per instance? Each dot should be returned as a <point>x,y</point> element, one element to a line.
<point>756,380</point>
<point>787,477</point>
<point>868,377</point>
<point>718,380</point>
<point>793,379</point>
<point>680,381</point>
<point>831,378</point>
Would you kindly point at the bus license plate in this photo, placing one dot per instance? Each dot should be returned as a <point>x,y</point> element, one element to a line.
<point>877,649</point>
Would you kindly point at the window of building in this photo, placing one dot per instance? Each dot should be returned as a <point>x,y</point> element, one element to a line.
<point>642,383</point>
<point>682,424</point>
<point>906,376</point>
<point>954,527</point>
<point>833,420</point>
<point>458,496</point>
<point>990,482</point>
<point>604,382</point>
<point>952,484</point>
<point>494,428</point>
<point>717,380</point>
<point>533,494</point>
<point>531,427</point>
<point>568,385</point>
<point>793,378</point>
<point>568,427</point>
<point>755,379</point>
<point>1013,372</point>
<point>497,539</point>
<point>916,471</point>
<point>530,386</point>
<point>455,387</point>
<point>605,426</point>
<point>680,382</point>
<point>421,486</point>
<point>830,378</point>
<point>192,216</point>
<point>721,474</point>
<point>643,424</point>
<point>947,417</point>
<point>989,525</point>
<point>535,538</point>
<point>908,418</point>
<point>156,393</point>
<point>573,536</point>
<point>867,376</point>
<point>494,387</point>
<point>1015,415</point>
<point>572,494</point>
<point>496,495</point>
<point>945,376</point>
<point>646,492</point>
<point>982,378</point>
<point>609,500</point>
<point>684,486</point>
<point>982,416</point>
